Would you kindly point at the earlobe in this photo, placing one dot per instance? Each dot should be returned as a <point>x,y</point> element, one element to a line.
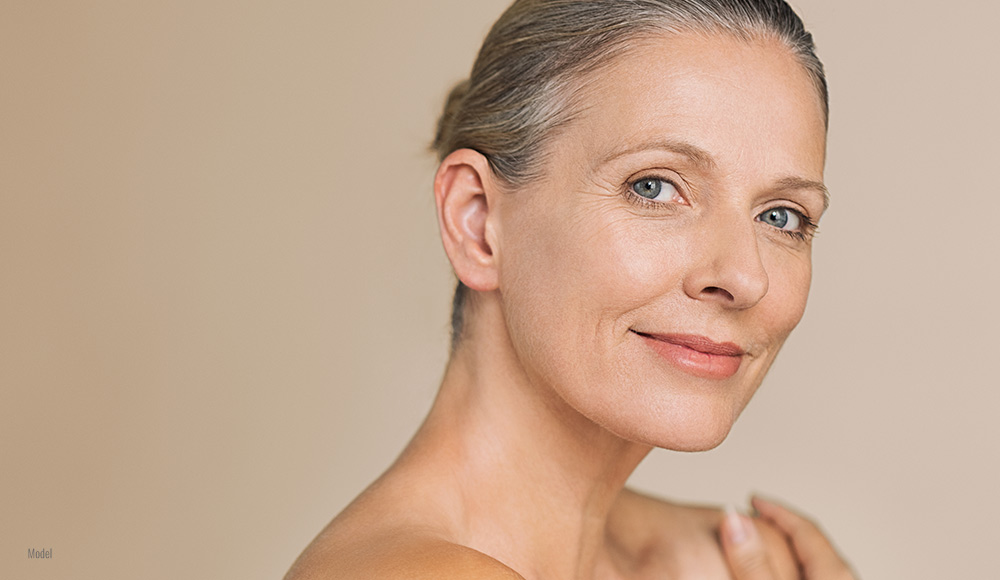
<point>463,191</point>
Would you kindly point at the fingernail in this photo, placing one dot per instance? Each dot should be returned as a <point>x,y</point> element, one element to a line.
<point>736,526</point>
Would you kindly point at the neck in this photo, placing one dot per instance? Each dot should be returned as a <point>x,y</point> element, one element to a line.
<point>525,478</point>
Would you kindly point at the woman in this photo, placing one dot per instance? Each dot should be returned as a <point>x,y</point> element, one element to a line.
<point>627,193</point>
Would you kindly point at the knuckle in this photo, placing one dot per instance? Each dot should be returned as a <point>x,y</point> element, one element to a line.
<point>753,566</point>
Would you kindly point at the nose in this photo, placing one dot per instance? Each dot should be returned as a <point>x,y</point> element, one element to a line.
<point>726,265</point>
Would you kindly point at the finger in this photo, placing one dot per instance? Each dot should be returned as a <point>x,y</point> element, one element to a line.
<point>818,557</point>
<point>744,548</point>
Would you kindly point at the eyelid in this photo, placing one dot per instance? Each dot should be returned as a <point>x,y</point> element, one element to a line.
<point>804,203</point>
<point>802,212</point>
<point>807,227</point>
<point>659,175</point>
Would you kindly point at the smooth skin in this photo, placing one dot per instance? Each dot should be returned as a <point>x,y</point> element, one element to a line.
<point>554,396</point>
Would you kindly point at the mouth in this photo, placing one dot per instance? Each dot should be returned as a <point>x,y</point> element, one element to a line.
<point>696,355</point>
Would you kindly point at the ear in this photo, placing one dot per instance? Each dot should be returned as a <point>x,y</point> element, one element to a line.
<point>465,192</point>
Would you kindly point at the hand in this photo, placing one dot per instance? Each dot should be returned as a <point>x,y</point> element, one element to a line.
<point>744,549</point>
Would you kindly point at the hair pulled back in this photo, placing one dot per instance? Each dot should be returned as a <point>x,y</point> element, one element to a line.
<point>522,85</point>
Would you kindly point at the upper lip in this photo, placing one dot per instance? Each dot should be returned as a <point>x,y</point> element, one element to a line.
<point>698,343</point>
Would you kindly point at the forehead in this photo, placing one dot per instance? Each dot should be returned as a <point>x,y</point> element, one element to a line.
<point>747,104</point>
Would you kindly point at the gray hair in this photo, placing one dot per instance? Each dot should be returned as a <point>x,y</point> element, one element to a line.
<point>521,88</point>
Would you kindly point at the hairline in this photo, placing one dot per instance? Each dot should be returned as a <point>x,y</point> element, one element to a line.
<point>569,89</point>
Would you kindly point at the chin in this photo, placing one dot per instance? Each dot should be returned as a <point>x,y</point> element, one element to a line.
<point>695,442</point>
<point>688,431</point>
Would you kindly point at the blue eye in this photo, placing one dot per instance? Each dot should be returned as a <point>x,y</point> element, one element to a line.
<point>781,218</point>
<point>652,188</point>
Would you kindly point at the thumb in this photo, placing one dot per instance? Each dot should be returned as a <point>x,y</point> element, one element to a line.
<point>744,548</point>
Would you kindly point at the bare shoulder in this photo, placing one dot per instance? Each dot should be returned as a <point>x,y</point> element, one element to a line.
<point>395,555</point>
<point>690,534</point>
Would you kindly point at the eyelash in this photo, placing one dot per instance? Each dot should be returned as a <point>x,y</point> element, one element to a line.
<point>807,230</point>
<point>644,202</point>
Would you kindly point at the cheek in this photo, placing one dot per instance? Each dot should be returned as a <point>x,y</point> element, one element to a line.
<point>572,293</point>
<point>645,261</point>
<point>589,270</point>
<point>790,277</point>
<point>568,282</point>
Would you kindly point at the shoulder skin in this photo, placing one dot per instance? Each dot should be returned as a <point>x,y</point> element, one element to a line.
<point>399,558</point>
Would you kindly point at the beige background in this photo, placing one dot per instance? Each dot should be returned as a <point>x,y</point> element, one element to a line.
<point>223,304</point>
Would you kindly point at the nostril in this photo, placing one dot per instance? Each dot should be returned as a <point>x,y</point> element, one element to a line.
<point>716,291</point>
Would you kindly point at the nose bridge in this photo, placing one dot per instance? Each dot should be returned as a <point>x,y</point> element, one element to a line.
<point>728,268</point>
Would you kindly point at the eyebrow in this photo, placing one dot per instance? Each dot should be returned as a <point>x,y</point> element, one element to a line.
<point>787,183</point>
<point>704,160</point>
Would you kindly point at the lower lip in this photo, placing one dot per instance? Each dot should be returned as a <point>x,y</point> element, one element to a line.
<point>693,362</point>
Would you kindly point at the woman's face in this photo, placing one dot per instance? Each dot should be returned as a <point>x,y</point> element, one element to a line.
<point>651,276</point>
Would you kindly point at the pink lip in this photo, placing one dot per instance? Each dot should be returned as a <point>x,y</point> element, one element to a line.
<point>697,355</point>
